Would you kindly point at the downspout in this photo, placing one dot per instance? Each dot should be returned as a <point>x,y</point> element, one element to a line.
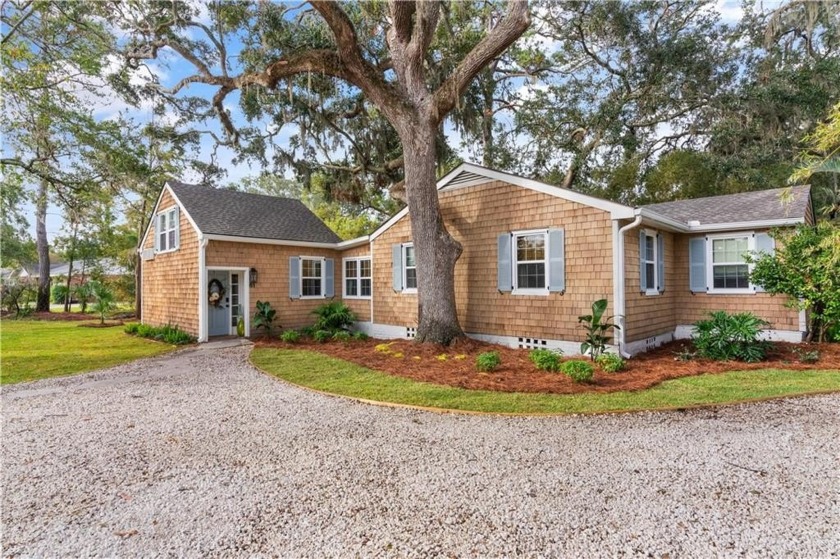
<point>202,288</point>
<point>619,281</point>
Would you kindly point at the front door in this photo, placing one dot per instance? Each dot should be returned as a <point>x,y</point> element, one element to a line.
<point>218,293</point>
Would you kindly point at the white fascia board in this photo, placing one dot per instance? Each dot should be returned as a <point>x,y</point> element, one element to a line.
<point>260,241</point>
<point>166,188</point>
<point>353,243</point>
<point>738,225</point>
<point>667,223</point>
<point>388,224</point>
<point>617,211</point>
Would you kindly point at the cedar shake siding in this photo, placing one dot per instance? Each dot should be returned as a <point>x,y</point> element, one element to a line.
<point>272,264</point>
<point>476,216</point>
<point>169,282</point>
<point>648,315</point>
<point>691,307</point>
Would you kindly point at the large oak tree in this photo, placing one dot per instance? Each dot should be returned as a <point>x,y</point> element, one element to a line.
<point>385,53</point>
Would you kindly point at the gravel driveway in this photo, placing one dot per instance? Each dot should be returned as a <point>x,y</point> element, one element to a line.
<point>198,454</point>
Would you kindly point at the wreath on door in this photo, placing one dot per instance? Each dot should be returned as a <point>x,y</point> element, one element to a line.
<point>216,291</point>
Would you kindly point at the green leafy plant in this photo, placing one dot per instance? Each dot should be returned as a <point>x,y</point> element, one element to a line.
<point>546,359</point>
<point>597,326</point>
<point>334,316</point>
<point>322,336</point>
<point>290,336</point>
<point>577,370</point>
<point>488,361</point>
<point>727,336</point>
<point>360,336</point>
<point>168,334</point>
<point>103,299</point>
<point>264,317</point>
<point>807,356</point>
<point>59,293</point>
<point>610,362</point>
<point>84,293</point>
<point>342,336</point>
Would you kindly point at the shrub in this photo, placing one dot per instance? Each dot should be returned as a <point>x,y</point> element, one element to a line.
<point>59,294</point>
<point>334,316</point>
<point>578,371</point>
<point>103,299</point>
<point>596,326</point>
<point>610,362</point>
<point>17,295</point>
<point>488,361</point>
<point>731,336</point>
<point>360,336</point>
<point>806,356</point>
<point>307,331</point>
<point>342,336</point>
<point>167,334</point>
<point>264,317</point>
<point>322,336</point>
<point>290,336</point>
<point>546,359</point>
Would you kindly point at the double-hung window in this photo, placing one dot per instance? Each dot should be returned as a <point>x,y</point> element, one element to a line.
<point>729,268</point>
<point>530,262</point>
<point>167,230</point>
<point>649,262</point>
<point>357,278</point>
<point>409,268</point>
<point>311,277</point>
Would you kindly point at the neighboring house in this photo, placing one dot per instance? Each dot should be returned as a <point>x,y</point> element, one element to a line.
<point>535,258</point>
<point>109,268</point>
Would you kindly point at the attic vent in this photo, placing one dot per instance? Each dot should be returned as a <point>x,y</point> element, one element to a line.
<point>465,177</point>
<point>532,343</point>
<point>410,332</point>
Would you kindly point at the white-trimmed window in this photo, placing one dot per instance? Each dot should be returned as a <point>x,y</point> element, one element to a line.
<point>357,278</point>
<point>167,230</point>
<point>530,265</point>
<point>409,268</point>
<point>311,277</point>
<point>649,260</point>
<point>728,270</point>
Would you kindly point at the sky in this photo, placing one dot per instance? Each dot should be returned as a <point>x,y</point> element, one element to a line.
<point>170,68</point>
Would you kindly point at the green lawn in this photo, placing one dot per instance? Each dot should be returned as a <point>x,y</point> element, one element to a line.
<point>315,370</point>
<point>36,349</point>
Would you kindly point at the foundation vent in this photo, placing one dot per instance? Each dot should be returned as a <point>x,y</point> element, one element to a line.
<point>410,332</point>
<point>532,343</point>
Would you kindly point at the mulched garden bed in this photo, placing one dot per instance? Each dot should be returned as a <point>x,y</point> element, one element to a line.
<point>60,316</point>
<point>422,362</point>
<point>107,324</point>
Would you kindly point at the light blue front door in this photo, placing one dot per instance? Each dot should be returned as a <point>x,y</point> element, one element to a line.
<point>219,312</point>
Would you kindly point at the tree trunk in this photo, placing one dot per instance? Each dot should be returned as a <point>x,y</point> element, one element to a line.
<point>42,303</point>
<point>435,249</point>
<point>72,255</point>
<point>138,297</point>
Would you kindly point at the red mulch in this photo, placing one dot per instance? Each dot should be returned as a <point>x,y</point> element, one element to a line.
<point>107,324</point>
<point>518,374</point>
<point>60,316</point>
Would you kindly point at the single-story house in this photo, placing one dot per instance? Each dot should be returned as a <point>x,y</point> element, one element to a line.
<point>535,258</point>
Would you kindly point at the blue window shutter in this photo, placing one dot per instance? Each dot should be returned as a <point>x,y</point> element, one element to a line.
<point>396,266</point>
<point>177,227</point>
<point>556,260</point>
<point>329,277</point>
<point>766,244</point>
<point>642,268</point>
<point>697,264</point>
<point>504,279</point>
<point>660,261</point>
<point>294,277</point>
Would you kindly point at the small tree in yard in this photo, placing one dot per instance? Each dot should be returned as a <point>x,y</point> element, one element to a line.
<point>103,299</point>
<point>806,268</point>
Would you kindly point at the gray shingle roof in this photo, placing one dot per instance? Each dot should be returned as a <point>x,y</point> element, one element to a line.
<point>734,208</point>
<point>240,214</point>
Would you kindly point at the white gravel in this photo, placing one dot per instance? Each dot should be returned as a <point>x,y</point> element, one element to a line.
<point>197,454</point>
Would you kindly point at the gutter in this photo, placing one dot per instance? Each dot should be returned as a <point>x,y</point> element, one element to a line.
<point>202,287</point>
<point>619,279</point>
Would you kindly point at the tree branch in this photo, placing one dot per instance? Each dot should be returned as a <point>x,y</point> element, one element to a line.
<point>508,30</point>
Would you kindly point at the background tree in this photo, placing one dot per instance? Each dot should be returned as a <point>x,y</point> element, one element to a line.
<point>17,249</point>
<point>823,156</point>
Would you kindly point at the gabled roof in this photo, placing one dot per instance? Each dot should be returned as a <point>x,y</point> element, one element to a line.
<point>764,206</point>
<point>240,214</point>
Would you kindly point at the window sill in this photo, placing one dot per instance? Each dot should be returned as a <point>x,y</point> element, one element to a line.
<point>409,291</point>
<point>167,251</point>
<point>652,293</point>
<point>541,292</point>
<point>747,291</point>
<point>362,297</point>
<point>312,297</point>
